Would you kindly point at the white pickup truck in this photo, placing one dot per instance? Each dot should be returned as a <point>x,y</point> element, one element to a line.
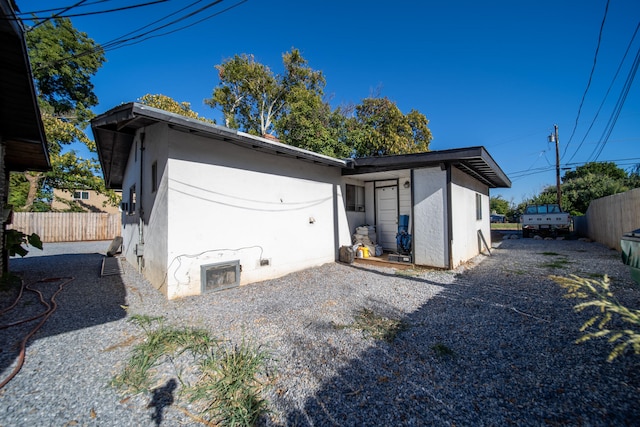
<point>545,220</point>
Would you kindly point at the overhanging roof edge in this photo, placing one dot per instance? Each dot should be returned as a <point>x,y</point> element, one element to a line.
<point>133,110</point>
<point>10,19</point>
<point>454,156</point>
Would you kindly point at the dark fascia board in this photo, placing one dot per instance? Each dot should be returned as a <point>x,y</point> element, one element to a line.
<point>114,131</point>
<point>22,127</point>
<point>126,119</point>
<point>476,159</point>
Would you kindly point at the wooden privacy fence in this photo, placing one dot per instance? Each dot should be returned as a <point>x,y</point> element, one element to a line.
<point>608,218</point>
<point>68,226</point>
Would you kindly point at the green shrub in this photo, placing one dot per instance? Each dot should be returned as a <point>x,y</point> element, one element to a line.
<point>15,239</point>
<point>229,385</point>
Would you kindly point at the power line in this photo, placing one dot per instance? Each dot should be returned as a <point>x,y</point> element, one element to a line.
<point>620,103</point>
<point>584,95</point>
<point>57,15</point>
<point>98,12</point>
<point>624,57</point>
<point>121,41</point>
<point>159,20</point>
<point>528,172</point>
<point>183,27</point>
<point>110,45</point>
<point>33,12</point>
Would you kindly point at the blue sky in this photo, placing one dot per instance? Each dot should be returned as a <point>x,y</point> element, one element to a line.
<point>497,73</point>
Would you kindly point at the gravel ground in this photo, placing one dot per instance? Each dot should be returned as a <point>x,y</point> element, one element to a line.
<point>508,326</point>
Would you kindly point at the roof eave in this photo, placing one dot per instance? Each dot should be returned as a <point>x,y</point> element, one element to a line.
<point>121,123</point>
<point>475,161</point>
<point>21,124</point>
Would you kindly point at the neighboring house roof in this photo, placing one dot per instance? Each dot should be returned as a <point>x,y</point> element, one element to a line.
<point>114,132</point>
<point>474,161</point>
<point>20,123</point>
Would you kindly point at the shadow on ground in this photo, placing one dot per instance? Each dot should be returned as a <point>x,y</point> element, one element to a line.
<point>88,300</point>
<point>508,357</point>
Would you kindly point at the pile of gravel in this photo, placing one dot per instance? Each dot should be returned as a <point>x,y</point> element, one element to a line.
<point>491,343</point>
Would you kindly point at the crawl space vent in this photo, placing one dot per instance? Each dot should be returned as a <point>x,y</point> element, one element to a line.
<point>215,277</point>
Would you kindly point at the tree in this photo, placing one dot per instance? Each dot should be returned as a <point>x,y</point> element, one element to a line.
<point>582,190</point>
<point>382,129</point>
<point>588,182</point>
<point>306,121</point>
<point>592,181</point>
<point>291,105</point>
<point>633,180</point>
<point>499,205</point>
<point>608,169</point>
<point>248,94</point>
<point>166,103</point>
<point>63,60</point>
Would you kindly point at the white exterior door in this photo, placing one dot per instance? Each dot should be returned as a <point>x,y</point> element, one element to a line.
<point>387,217</point>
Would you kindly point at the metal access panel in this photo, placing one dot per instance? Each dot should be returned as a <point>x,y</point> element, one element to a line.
<point>216,277</point>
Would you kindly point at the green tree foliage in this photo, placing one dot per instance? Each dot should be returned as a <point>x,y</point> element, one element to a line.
<point>608,169</point>
<point>291,105</point>
<point>382,129</point>
<point>592,181</point>
<point>63,60</point>
<point>248,94</point>
<point>307,120</point>
<point>633,180</point>
<point>582,190</point>
<point>588,182</point>
<point>166,103</point>
<point>499,205</point>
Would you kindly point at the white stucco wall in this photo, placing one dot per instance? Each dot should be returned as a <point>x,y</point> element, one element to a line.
<point>430,217</point>
<point>466,244</point>
<point>369,204</point>
<point>354,219</point>
<point>404,195</point>
<point>153,264</point>
<point>230,203</point>
<point>130,222</point>
<point>155,205</point>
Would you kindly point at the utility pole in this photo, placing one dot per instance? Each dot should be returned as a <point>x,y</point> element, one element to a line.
<point>554,138</point>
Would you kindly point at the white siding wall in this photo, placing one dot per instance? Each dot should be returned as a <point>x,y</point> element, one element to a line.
<point>282,210</point>
<point>466,243</point>
<point>430,211</point>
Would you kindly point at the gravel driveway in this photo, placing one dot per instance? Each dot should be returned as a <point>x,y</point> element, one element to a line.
<point>510,331</point>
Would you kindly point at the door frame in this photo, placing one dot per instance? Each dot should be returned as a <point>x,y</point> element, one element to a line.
<point>375,199</point>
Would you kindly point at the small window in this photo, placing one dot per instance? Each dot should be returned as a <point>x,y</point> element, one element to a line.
<point>154,177</point>
<point>132,200</point>
<point>81,195</point>
<point>478,206</point>
<point>355,198</point>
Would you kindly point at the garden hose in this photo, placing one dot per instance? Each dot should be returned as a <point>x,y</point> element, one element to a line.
<point>51,307</point>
